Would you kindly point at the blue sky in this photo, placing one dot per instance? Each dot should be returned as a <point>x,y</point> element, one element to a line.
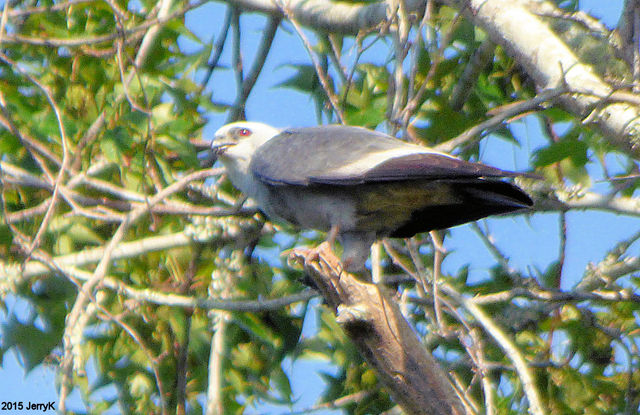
<point>529,243</point>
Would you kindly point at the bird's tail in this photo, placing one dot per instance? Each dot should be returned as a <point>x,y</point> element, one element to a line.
<point>468,200</point>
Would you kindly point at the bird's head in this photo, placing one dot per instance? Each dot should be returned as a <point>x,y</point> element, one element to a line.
<point>235,144</point>
<point>239,140</point>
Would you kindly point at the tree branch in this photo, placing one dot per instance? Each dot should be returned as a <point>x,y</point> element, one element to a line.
<point>92,40</point>
<point>86,292</point>
<point>332,17</point>
<point>384,338</point>
<point>549,61</point>
<point>508,346</point>
<point>248,82</point>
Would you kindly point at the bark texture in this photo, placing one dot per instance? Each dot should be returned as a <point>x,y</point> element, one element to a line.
<point>375,324</point>
<point>550,62</point>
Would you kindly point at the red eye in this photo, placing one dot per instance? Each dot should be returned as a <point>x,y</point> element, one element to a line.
<point>244,132</point>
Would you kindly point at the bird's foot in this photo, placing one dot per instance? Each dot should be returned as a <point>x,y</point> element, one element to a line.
<point>322,253</point>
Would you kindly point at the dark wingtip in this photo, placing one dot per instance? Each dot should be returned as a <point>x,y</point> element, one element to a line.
<point>478,198</point>
<point>527,174</point>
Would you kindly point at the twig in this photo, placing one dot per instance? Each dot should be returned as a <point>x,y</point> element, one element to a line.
<point>489,243</point>
<point>182,354</point>
<point>65,151</point>
<point>579,199</point>
<point>322,75</point>
<point>145,349</point>
<point>506,344</point>
<point>248,82</point>
<point>86,292</point>
<point>474,133</point>
<point>421,271</point>
<point>418,46</point>
<point>236,54</point>
<point>470,405</point>
<point>91,40</point>
<point>479,60</point>
<point>29,142</point>
<point>558,296</point>
<point>335,56</point>
<point>395,258</point>
<point>488,387</point>
<point>48,9</point>
<point>338,403</point>
<point>398,95</point>
<point>165,299</point>
<point>593,25</point>
<point>438,257</point>
<point>415,101</point>
<point>217,48</point>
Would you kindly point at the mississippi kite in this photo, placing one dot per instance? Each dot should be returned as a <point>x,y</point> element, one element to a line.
<point>359,185</point>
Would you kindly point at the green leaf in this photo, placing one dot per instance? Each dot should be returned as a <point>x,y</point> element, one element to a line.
<point>33,344</point>
<point>571,148</point>
<point>304,80</point>
<point>282,384</point>
<point>115,143</point>
<point>5,234</point>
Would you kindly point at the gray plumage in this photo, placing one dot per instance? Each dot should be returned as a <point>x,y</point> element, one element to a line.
<point>362,184</point>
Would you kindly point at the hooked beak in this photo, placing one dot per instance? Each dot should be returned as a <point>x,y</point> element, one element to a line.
<point>220,144</point>
<point>209,156</point>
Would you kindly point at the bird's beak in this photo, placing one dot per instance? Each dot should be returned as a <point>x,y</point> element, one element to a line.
<point>217,147</point>
<point>220,143</point>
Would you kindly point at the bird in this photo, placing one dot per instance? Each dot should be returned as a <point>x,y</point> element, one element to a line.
<point>359,185</point>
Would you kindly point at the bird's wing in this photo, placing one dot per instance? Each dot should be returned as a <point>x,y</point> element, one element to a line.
<point>343,155</point>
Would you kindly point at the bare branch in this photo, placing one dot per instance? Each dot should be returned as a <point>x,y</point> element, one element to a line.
<point>580,199</point>
<point>247,82</point>
<point>479,60</point>
<point>322,74</point>
<point>92,40</point>
<point>217,48</point>
<point>536,406</point>
<point>476,132</point>
<point>86,292</point>
<point>383,337</point>
<point>549,61</point>
<point>558,296</point>
<point>332,17</point>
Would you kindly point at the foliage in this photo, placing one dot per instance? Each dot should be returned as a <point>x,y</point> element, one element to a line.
<point>99,113</point>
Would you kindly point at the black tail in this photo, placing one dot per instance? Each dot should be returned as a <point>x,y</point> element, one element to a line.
<point>474,199</point>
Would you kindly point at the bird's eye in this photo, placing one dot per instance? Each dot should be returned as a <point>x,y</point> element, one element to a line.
<point>244,132</point>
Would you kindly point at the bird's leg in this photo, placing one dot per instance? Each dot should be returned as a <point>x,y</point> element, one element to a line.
<point>356,247</point>
<point>237,206</point>
<point>332,235</point>
<point>314,254</point>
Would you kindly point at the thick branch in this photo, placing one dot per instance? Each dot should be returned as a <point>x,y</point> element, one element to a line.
<point>384,338</point>
<point>331,16</point>
<point>550,62</point>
